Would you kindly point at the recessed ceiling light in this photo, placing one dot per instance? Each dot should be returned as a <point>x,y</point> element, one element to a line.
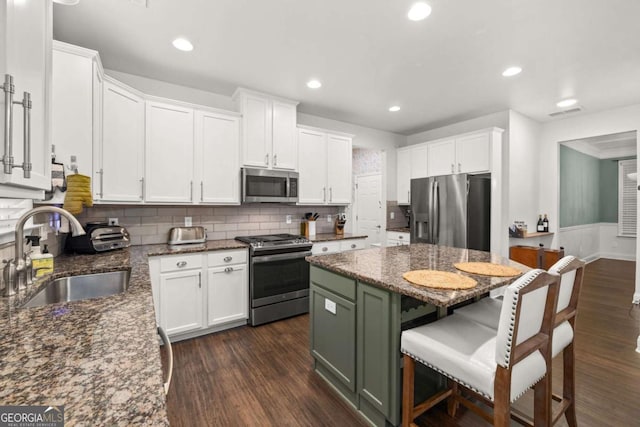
<point>419,11</point>
<point>67,2</point>
<point>512,71</point>
<point>394,108</point>
<point>566,103</point>
<point>183,44</point>
<point>314,84</point>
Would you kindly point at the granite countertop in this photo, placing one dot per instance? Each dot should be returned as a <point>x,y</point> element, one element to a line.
<point>383,267</point>
<point>399,229</point>
<point>328,237</point>
<point>99,358</point>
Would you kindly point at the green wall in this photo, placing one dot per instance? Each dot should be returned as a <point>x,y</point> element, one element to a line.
<point>588,188</point>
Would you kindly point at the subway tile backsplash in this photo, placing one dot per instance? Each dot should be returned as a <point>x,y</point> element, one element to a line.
<point>151,224</point>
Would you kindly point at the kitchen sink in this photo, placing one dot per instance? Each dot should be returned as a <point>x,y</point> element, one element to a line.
<point>75,288</point>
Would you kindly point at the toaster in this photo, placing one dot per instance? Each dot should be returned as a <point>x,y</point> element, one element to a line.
<point>99,237</point>
<point>187,235</point>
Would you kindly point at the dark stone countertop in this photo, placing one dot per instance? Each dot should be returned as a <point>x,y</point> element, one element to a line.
<point>383,267</point>
<point>399,229</point>
<point>99,358</point>
<point>329,237</point>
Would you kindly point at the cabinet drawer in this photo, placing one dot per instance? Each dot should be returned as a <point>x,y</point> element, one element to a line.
<point>323,248</point>
<point>403,237</point>
<point>336,283</point>
<point>220,258</point>
<point>352,245</point>
<point>180,262</point>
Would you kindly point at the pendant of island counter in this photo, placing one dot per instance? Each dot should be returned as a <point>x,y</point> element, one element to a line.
<point>359,306</point>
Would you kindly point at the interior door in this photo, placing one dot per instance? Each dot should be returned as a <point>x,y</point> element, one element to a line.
<point>369,212</point>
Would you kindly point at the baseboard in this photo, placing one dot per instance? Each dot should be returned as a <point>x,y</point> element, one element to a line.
<point>621,257</point>
<point>638,345</point>
<point>636,298</point>
<point>590,258</point>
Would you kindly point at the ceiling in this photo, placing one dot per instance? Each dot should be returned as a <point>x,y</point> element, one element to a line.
<point>611,146</point>
<point>369,56</point>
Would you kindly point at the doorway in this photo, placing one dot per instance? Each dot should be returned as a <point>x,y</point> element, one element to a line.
<point>369,212</point>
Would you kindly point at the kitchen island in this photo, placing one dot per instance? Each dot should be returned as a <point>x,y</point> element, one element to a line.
<point>360,304</point>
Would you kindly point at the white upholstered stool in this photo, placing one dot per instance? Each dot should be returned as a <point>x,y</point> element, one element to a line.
<point>497,366</point>
<point>487,312</point>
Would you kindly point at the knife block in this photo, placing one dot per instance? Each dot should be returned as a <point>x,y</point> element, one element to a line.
<point>338,227</point>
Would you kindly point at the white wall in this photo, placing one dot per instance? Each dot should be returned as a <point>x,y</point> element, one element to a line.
<point>499,119</point>
<point>581,126</point>
<point>593,241</point>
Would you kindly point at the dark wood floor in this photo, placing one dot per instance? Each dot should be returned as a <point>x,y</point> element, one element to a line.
<point>262,376</point>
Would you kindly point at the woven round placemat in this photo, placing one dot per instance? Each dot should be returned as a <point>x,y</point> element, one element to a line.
<point>439,279</point>
<point>487,269</point>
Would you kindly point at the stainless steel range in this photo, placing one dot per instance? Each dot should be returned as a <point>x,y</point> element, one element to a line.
<point>278,276</point>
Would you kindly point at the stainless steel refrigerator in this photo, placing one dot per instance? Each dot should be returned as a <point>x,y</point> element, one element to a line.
<point>452,210</point>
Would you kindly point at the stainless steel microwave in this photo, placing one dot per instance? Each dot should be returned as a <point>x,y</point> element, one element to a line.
<point>269,186</point>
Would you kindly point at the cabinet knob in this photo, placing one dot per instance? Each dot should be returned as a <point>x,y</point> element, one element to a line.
<point>353,246</point>
<point>228,259</point>
<point>228,269</point>
<point>400,237</point>
<point>181,264</point>
<point>325,249</point>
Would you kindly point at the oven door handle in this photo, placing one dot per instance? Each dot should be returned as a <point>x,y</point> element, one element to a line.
<point>279,257</point>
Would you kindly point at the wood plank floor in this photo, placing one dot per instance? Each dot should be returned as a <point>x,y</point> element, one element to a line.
<point>263,377</point>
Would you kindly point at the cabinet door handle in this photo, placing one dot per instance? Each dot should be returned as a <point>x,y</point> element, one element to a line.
<point>330,194</point>
<point>191,190</point>
<point>228,269</point>
<point>266,159</point>
<point>26,135</point>
<point>181,264</point>
<point>202,191</point>
<point>452,168</point>
<point>409,196</point>
<point>275,160</point>
<point>141,188</point>
<point>101,193</point>
<point>7,158</point>
<point>324,194</point>
<point>199,279</point>
<point>459,167</point>
<point>227,259</point>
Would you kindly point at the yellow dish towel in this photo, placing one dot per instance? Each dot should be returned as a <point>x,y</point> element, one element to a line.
<point>78,193</point>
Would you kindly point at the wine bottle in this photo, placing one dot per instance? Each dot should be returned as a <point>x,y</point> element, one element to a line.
<point>540,225</point>
<point>545,223</point>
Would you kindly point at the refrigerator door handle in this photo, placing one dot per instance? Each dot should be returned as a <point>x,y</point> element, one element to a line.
<point>437,214</point>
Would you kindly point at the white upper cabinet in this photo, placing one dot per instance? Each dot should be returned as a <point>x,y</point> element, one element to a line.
<point>120,156</point>
<point>169,153</point>
<point>473,153</point>
<point>269,135</point>
<point>312,184</point>
<point>325,162</point>
<point>75,73</point>
<point>25,54</point>
<point>411,163</point>
<point>339,163</point>
<point>217,159</point>
<point>442,157</point>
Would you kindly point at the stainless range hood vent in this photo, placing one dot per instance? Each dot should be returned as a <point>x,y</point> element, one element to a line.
<point>563,112</point>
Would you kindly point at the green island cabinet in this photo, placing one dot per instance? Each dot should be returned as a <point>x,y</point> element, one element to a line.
<point>355,343</point>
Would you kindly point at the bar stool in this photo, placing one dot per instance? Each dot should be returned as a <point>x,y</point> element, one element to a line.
<point>496,366</point>
<point>487,313</point>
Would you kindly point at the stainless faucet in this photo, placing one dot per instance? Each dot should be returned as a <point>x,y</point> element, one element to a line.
<point>15,272</point>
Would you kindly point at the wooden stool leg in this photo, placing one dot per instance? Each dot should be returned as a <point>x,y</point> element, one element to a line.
<point>407,390</point>
<point>502,398</point>
<point>568,385</point>
<point>452,404</point>
<point>542,402</point>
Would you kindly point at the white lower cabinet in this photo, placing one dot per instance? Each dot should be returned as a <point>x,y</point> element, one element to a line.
<point>181,301</point>
<point>195,294</point>
<point>336,246</point>
<point>395,238</point>
<point>227,288</point>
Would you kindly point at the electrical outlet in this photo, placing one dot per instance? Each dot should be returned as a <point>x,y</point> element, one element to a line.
<point>113,221</point>
<point>187,221</point>
<point>392,215</point>
<point>328,217</point>
<point>288,219</point>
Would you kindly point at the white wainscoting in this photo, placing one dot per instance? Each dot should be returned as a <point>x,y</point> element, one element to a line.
<point>593,241</point>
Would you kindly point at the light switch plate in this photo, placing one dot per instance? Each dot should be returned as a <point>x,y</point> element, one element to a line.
<point>392,215</point>
<point>187,221</point>
<point>330,306</point>
<point>288,219</point>
<point>328,217</point>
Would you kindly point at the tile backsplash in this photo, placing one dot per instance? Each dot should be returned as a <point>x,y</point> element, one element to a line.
<point>151,224</point>
<point>399,212</point>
